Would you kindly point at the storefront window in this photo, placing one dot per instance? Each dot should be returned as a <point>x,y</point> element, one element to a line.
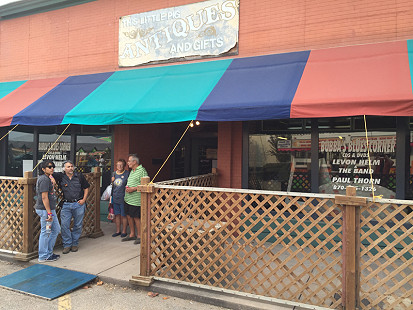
<point>58,152</point>
<point>280,161</point>
<point>93,151</point>
<point>20,153</point>
<point>344,160</point>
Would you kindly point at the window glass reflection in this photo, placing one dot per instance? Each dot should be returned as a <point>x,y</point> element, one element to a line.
<point>58,152</point>
<point>280,162</point>
<point>20,153</point>
<point>344,160</point>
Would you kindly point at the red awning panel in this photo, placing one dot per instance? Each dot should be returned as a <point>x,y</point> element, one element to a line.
<point>367,79</point>
<point>23,96</point>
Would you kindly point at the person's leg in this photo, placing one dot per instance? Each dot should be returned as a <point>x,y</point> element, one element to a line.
<point>137,221</point>
<point>129,215</point>
<point>117,212</point>
<point>124,224</point>
<point>117,222</point>
<point>124,219</point>
<point>54,233</point>
<point>43,237</point>
<point>78,214</point>
<point>65,218</point>
<point>131,226</point>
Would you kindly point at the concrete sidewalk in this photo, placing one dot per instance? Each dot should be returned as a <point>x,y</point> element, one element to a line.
<point>107,257</point>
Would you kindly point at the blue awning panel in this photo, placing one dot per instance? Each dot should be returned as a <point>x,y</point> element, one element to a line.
<point>53,106</point>
<point>256,88</point>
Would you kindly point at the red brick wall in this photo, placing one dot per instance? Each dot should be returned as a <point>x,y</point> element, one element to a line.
<point>230,154</point>
<point>121,142</point>
<point>84,38</point>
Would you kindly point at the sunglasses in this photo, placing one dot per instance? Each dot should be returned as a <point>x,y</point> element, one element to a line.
<point>50,167</point>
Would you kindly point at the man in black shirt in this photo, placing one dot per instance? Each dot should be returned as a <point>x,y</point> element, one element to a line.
<point>75,189</point>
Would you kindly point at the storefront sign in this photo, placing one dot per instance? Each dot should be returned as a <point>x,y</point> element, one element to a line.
<point>284,144</point>
<point>59,153</point>
<point>208,28</point>
<point>348,163</point>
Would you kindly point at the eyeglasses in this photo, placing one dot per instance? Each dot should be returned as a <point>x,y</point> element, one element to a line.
<point>50,167</point>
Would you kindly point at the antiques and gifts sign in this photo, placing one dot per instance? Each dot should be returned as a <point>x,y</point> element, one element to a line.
<point>208,28</point>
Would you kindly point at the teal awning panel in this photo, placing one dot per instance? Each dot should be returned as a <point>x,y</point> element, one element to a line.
<point>7,87</point>
<point>149,95</point>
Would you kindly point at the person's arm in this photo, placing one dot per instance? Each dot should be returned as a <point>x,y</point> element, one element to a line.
<point>85,193</point>
<point>135,189</point>
<point>85,186</point>
<point>45,199</point>
<point>53,180</point>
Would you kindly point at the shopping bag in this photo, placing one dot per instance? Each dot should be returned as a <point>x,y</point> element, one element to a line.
<point>107,193</point>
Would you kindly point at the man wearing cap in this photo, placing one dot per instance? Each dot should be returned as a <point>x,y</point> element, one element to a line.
<point>75,189</point>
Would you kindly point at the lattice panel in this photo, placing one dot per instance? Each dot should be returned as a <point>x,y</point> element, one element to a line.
<point>386,256</point>
<point>11,215</point>
<point>301,183</point>
<point>89,221</point>
<point>206,180</point>
<point>284,247</point>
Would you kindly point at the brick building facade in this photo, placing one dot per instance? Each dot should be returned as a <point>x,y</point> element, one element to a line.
<point>83,39</point>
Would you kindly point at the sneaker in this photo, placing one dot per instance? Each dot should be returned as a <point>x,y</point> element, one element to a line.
<point>123,235</point>
<point>137,241</point>
<point>57,256</point>
<point>116,234</point>
<point>66,250</point>
<point>50,259</point>
<point>74,248</point>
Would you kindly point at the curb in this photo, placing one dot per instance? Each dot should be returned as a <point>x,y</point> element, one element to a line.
<point>219,299</point>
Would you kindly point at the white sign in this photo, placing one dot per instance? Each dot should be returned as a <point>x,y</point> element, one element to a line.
<point>59,153</point>
<point>208,28</point>
<point>284,144</point>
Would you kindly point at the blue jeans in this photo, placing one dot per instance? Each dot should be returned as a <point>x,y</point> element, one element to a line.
<point>69,210</point>
<point>47,240</point>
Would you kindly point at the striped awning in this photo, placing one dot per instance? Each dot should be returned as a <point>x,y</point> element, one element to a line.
<point>373,79</point>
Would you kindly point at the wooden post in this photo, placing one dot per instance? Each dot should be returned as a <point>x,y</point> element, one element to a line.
<point>145,235</point>
<point>351,247</point>
<point>28,183</point>
<point>144,278</point>
<point>215,177</point>
<point>96,179</point>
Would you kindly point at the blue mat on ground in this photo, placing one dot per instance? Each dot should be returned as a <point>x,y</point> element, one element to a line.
<point>45,281</point>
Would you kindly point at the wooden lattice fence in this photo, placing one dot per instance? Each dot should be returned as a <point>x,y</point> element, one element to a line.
<point>205,180</point>
<point>20,224</point>
<point>11,214</point>
<point>387,255</point>
<point>295,247</point>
